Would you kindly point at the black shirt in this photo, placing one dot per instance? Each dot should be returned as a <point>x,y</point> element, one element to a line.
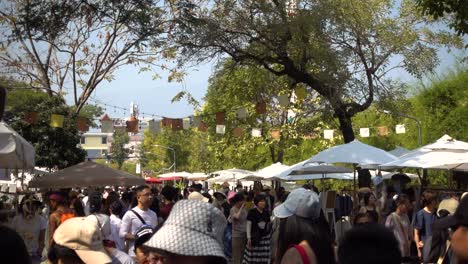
<point>259,221</point>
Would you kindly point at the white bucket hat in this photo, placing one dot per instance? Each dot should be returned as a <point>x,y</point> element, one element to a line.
<point>193,228</point>
<point>301,202</point>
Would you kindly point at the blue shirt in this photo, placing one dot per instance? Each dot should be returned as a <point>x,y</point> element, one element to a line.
<point>423,223</point>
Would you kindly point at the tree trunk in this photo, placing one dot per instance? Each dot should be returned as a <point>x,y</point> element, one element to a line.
<point>346,127</point>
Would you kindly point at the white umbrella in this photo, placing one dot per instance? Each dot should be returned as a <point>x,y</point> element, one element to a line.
<point>399,151</point>
<point>336,176</point>
<point>197,176</point>
<point>322,168</point>
<point>445,153</point>
<point>273,171</point>
<point>182,174</point>
<point>230,175</point>
<point>356,153</point>
<point>15,151</point>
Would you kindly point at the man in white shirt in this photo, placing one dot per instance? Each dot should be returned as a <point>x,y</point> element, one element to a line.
<point>138,216</point>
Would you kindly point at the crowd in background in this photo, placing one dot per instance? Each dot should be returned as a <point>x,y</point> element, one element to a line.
<point>260,225</point>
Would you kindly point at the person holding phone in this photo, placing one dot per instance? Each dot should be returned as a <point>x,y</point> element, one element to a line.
<point>238,218</point>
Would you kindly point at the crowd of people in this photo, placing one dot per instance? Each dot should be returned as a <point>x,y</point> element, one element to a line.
<point>195,225</point>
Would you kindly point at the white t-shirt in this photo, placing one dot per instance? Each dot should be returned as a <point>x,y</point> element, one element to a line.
<point>115,228</point>
<point>119,257</point>
<point>131,223</point>
<point>29,230</point>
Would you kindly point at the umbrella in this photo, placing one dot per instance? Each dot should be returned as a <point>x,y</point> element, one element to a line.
<point>336,176</point>
<point>354,152</point>
<point>86,174</point>
<point>182,174</point>
<point>445,153</point>
<point>273,171</point>
<point>230,175</point>
<point>323,169</point>
<point>399,151</point>
<point>15,151</point>
<point>197,176</point>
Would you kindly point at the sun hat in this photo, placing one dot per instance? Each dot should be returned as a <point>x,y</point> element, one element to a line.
<point>143,234</point>
<point>300,202</point>
<point>197,196</point>
<point>84,237</point>
<point>450,205</point>
<point>193,228</point>
<point>460,217</point>
<point>217,194</point>
<point>230,195</point>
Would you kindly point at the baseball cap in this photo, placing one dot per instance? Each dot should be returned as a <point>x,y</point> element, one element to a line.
<point>193,228</point>
<point>448,204</point>
<point>197,196</point>
<point>300,202</point>
<point>460,217</point>
<point>84,237</point>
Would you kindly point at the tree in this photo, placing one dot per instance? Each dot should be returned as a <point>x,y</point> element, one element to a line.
<point>456,11</point>
<point>59,45</point>
<point>118,151</point>
<point>243,86</point>
<point>56,148</point>
<point>342,49</point>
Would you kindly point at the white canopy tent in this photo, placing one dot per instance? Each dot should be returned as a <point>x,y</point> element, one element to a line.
<point>399,151</point>
<point>182,174</point>
<point>230,175</point>
<point>446,153</point>
<point>15,151</point>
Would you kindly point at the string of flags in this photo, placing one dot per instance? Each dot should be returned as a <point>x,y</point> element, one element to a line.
<point>133,125</point>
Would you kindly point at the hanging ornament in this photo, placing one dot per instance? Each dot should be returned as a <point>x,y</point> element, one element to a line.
<point>238,131</point>
<point>328,133</point>
<point>56,120</point>
<point>364,132</point>
<point>241,113</point>
<point>220,129</point>
<point>283,100</point>
<point>31,117</point>
<point>132,125</point>
<point>275,133</point>
<point>177,124</point>
<point>166,122</point>
<point>154,126</point>
<point>82,124</point>
<point>261,108</point>
<point>400,129</point>
<point>220,117</point>
<point>186,123</point>
<point>256,132</point>
<point>301,93</point>
<point>202,127</point>
<point>383,130</point>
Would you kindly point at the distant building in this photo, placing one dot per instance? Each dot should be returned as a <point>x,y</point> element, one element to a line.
<point>97,145</point>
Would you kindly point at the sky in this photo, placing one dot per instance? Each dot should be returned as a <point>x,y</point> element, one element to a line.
<point>154,96</point>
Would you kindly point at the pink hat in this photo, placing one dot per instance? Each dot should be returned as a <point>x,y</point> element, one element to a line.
<point>231,194</point>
